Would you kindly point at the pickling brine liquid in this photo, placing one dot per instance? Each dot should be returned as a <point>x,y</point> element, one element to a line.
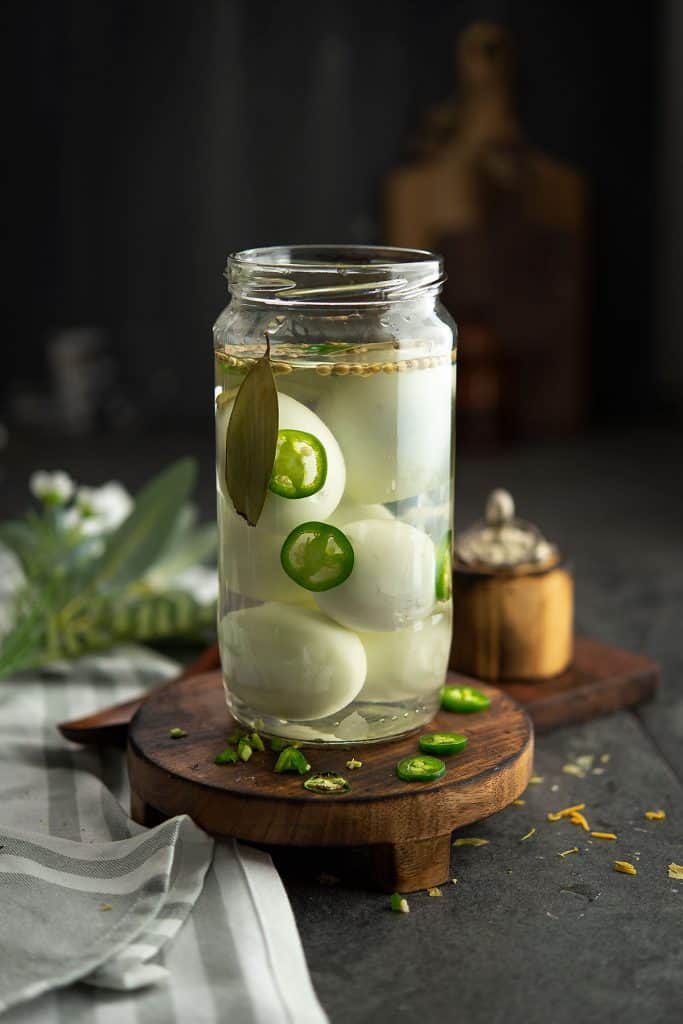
<point>335,609</point>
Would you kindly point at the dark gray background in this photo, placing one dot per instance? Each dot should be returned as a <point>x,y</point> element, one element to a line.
<point>148,140</point>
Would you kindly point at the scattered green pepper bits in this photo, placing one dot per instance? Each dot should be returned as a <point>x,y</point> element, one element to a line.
<point>300,467</point>
<point>227,756</point>
<point>327,782</point>
<point>442,743</point>
<point>317,556</point>
<point>463,699</point>
<point>292,760</point>
<point>244,750</point>
<point>399,904</point>
<point>176,734</point>
<point>422,768</point>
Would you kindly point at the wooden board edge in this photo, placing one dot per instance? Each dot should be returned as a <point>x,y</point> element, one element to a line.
<point>592,699</point>
<point>449,809</point>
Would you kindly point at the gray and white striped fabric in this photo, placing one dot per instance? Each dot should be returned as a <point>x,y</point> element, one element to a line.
<point>157,929</point>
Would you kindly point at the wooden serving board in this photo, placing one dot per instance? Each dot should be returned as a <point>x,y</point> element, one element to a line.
<point>406,827</point>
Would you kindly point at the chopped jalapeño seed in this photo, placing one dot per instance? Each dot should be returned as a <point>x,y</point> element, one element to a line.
<point>327,782</point>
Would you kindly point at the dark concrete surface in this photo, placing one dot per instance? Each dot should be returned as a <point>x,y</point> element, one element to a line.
<point>524,937</point>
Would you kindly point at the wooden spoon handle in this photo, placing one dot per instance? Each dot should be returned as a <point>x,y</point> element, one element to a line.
<point>110,725</point>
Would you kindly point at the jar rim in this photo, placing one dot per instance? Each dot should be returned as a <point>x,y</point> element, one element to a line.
<point>333,274</point>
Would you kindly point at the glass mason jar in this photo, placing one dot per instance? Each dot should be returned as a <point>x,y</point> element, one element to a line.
<point>335,608</point>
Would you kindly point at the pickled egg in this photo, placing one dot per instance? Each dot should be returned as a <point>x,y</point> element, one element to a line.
<point>392,582</point>
<point>291,662</point>
<point>351,512</point>
<point>250,560</point>
<point>280,514</point>
<point>394,430</point>
<point>409,662</point>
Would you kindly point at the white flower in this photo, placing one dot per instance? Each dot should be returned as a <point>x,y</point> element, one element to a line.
<point>102,509</point>
<point>53,488</point>
<point>199,580</point>
<point>71,518</point>
<point>12,578</point>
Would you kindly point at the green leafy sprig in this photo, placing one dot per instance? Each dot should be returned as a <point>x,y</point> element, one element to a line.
<point>81,591</point>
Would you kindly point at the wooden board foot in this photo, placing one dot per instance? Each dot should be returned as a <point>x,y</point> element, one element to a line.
<point>143,813</point>
<point>407,867</point>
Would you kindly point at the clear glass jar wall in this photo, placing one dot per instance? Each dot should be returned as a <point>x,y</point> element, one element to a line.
<point>335,613</point>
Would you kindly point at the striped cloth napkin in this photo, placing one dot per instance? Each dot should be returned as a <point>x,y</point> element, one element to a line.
<point>161,924</point>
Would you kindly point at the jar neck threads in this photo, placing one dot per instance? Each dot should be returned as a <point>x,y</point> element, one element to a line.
<point>337,276</point>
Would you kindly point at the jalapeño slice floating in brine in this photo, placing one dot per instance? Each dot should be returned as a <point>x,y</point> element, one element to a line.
<point>300,467</point>
<point>444,569</point>
<point>317,556</point>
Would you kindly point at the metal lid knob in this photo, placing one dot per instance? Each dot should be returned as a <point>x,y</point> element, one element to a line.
<point>501,540</point>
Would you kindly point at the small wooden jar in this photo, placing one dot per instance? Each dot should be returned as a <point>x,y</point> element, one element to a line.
<point>512,620</point>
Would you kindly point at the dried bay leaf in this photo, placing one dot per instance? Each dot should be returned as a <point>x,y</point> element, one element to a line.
<point>251,440</point>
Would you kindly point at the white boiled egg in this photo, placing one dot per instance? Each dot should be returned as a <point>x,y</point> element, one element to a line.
<point>250,560</point>
<point>409,662</point>
<point>350,512</point>
<point>392,582</point>
<point>280,514</point>
<point>291,662</point>
<point>394,430</point>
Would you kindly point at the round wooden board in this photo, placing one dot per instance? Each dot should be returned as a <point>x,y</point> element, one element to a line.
<point>408,825</point>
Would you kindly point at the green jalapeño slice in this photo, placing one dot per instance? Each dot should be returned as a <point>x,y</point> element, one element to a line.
<point>422,768</point>
<point>442,743</point>
<point>463,699</point>
<point>317,556</point>
<point>300,467</point>
<point>444,570</point>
